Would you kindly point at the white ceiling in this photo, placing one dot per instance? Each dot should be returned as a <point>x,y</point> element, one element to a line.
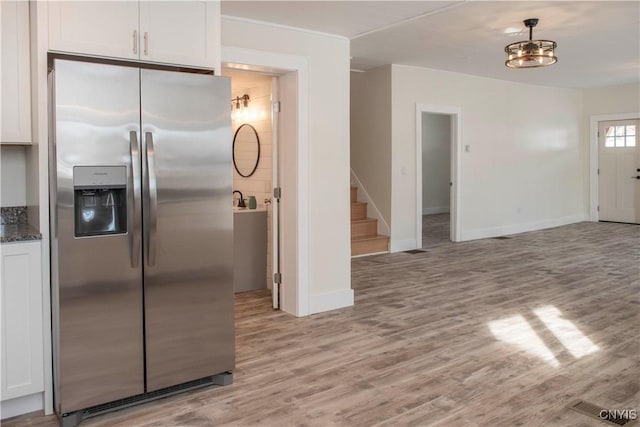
<point>598,41</point>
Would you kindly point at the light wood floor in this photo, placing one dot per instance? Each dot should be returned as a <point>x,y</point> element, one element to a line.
<point>459,335</point>
<point>435,230</point>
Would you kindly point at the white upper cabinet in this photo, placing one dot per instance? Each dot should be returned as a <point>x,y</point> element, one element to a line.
<point>95,28</point>
<point>174,32</point>
<point>16,75</point>
<point>179,32</point>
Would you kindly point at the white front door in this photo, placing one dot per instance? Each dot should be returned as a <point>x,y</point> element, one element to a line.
<point>619,171</point>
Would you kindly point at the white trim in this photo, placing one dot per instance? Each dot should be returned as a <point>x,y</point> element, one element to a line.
<point>593,156</point>
<point>483,233</point>
<point>455,172</point>
<point>369,254</point>
<point>372,209</point>
<point>409,20</point>
<point>21,405</point>
<point>404,245</point>
<point>282,26</point>
<point>298,64</point>
<point>38,179</point>
<point>331,300</point>
<point>275,182</point>
<point>436,210</point>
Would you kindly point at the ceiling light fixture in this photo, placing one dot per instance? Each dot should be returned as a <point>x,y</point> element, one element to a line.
<point>531,53</point>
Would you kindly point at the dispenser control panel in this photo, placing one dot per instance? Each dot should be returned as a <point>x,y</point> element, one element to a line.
<point>100,200</point>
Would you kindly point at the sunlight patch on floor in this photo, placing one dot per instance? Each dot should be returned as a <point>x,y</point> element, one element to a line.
<point>517,331</point>
<point>566,332</point>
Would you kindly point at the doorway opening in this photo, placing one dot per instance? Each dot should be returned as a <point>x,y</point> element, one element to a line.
<point>291,211</point>
<point>254,127</point>
<point>619,171</point>
<point>438,130</point>
<point>620,196</point>
<point>436,177</point>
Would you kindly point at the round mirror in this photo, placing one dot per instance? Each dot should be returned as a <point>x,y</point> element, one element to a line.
<point>246,150</point>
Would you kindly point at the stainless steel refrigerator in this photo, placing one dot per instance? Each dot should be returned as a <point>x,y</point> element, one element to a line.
<point>141,234</point>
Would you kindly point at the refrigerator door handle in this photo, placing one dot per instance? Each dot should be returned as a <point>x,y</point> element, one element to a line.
<point>134,184</point>
<point>153,199</point>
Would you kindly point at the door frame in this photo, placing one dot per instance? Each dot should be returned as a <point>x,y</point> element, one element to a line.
<point>295,299</point>
<point>455,170</point>
<point>594,159</point>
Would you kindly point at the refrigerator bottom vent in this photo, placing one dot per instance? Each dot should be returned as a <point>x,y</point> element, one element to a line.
<point>74,418</point>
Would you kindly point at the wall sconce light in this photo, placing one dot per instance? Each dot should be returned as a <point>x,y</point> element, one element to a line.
<point>240,104</point>
<point>244,99</point>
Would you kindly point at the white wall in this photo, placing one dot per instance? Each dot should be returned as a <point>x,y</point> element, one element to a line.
<point>609,100</point>
<point>612,99</point>
<point>523,171</point>
<point>328,191</point>
<point>371,134</point>
<point>13,176</point>
<point>436,163</point>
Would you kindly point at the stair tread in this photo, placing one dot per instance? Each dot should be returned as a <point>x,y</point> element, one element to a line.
<point>363,220</point>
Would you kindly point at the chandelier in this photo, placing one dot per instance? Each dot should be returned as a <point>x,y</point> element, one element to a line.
<point>531,53</point>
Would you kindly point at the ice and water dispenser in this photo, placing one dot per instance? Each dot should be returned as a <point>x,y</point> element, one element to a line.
<point>100,200</point>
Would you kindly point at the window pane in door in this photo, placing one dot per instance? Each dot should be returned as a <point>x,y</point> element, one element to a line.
<point>619,130</point>
<point>631,141</point>
<point>620,141</point>
<point>609,131</point>
<point>631,130</point>
<point>609,142</point>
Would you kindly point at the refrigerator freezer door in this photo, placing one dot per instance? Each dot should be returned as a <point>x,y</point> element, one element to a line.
<point>188,258</point>
<point>99,320</point>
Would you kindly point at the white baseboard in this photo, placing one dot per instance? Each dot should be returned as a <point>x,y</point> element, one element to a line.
<point>21,405</point>
<point>435,210</point>
<point>403,245</point>
<point>331,300</point>
<point>484,233</point>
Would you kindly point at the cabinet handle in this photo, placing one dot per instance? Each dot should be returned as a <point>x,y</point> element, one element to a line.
<point>135,41</point>
<point>146,43</point>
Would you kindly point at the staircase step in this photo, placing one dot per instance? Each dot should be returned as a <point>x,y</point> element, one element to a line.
<point>354,194</point>
<point>364,227</point>
<point>369,245</point>
<point>358,211</point>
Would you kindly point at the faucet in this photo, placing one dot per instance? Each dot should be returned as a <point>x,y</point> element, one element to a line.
<point>240,200</point>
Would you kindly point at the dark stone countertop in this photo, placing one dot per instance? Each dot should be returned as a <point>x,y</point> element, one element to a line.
<point>14,226</point>
<point>18,233</point>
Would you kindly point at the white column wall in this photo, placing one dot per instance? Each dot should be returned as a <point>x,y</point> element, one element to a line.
<point>329,250</point>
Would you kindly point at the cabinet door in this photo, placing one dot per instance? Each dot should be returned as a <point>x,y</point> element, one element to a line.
<point>101,28</point>
<point>21,292</point>
<point>16,75</point>
<point>178,32</point>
